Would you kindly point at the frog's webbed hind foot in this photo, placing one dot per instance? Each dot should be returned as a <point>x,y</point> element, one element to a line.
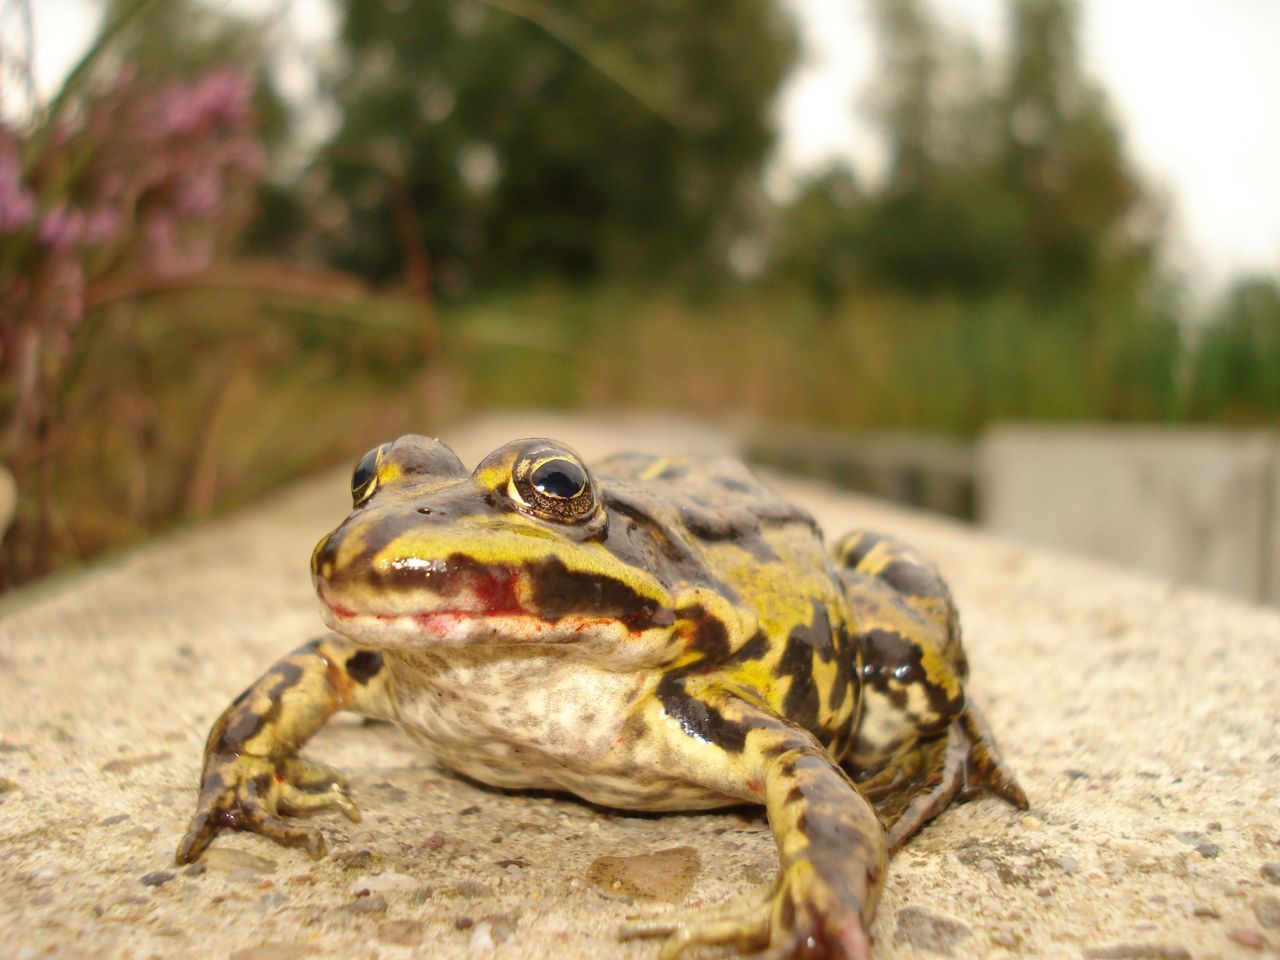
<point>957,766</point>
<point>783,923</point>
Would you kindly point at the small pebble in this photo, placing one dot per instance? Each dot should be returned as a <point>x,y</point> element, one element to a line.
<point>271,901</point>
<point>472,890</point>
<point>353,859</point>
<point>157,878</point>
<point>196,870</point>
<point>463,923</point>
<point>1077,775</point>
<point>1068,864</point>
<point>1200,910</point>
<point>434,842</point>
<point>1003,938</point>
<point>384,883</point>
<point>929,931</point>
<point>368,904</point>
<point>1267,909</point>
<point>502,926</point>
<point>481,939</point>
<point>1270,872</point>
<point>1247,938</point>
<point>1032,823</point>
<point>1137,951</point>
<point>401,933</point>
<point>112,821</point>
<point>1209,850</point>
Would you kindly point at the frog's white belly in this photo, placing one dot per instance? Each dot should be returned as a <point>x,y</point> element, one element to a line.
<point>525,718</point>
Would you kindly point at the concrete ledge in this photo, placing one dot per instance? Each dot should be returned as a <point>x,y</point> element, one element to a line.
<point>1142,719</point>
<point>1194,505</point>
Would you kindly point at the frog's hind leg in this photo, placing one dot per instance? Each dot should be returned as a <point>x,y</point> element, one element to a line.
<point>939,776</point>
<point>920,744</point>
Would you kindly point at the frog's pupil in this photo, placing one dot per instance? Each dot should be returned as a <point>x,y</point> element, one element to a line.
<point>562,479</point>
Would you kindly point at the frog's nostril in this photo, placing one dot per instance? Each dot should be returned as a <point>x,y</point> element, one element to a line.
<point>427,511</point>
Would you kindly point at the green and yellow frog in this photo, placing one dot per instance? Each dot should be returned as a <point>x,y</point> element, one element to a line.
<point>654,634</point>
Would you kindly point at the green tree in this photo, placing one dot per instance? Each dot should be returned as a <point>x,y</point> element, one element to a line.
<point>493,140</point>
<point>1083,217</point>
<point>1237,363</point>
<point>1002,177</point>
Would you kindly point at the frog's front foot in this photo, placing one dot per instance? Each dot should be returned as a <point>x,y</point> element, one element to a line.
<point>797,918</point>
<point>245,792</point>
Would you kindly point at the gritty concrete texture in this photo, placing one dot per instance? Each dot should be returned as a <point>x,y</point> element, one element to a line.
<point>1194,505</point>
<point>1141,718</point>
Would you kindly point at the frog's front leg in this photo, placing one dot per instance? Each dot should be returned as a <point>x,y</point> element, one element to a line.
<point>252,773</point>
<point>830,842</point>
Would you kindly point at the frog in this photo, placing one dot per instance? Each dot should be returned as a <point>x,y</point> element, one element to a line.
<point>650,633</point>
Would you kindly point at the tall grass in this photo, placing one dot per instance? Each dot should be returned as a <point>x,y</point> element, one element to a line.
<point>877,361</point>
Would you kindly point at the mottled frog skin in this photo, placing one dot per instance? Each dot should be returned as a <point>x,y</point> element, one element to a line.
<point>653,634</point>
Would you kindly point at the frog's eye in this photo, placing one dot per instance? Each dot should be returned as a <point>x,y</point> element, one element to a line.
<point>364,478</point>
<point>558,478</point>
<point>554,487</point>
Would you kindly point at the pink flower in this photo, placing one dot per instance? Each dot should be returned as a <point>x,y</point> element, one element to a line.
<point>61,227</point>
<point>199,195</point>
<point>101,225</point>
<point>17,205</point>
<point>223,97</point>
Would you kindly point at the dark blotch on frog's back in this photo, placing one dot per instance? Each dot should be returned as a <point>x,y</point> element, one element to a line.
<point>699,719</point>
<point>804,642</point>
<point>915,580</point>
<point>801,703</point>
<point>887,655</point>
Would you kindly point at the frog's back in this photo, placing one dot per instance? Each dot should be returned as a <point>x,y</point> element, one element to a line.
<point>788,638</point>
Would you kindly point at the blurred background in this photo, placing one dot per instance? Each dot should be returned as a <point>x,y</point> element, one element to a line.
<point>1014,260</point>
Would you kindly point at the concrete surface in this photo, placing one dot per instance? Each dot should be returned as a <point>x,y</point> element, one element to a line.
<point>1141,718</point>
<point>1194,505</point>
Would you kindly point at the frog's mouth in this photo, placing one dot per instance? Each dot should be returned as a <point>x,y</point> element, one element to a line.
<point>457,602</point>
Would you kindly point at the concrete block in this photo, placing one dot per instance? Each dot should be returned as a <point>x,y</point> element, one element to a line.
<point>1193,505</point>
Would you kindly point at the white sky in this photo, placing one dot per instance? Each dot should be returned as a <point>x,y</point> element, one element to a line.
<point>1194,83</point>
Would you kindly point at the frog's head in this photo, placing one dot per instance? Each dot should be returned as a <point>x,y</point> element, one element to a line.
<point>513,552</point>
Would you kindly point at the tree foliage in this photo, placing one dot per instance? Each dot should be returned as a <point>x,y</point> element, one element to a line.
<point>1003,176</point>
<point>501,140</point>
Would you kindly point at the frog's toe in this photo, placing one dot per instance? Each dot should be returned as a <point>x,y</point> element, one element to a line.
<point>746,933</point>
<point>741,924</point>
<point>312,776</point>
<point>304,803</point>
